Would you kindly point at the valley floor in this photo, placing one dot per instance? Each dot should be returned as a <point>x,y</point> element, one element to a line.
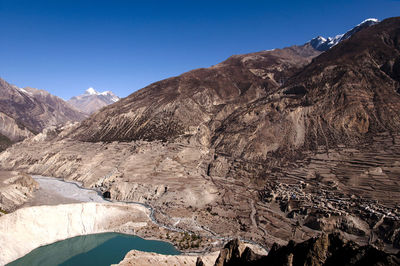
<point>199,203</point>
<point>54,208</point>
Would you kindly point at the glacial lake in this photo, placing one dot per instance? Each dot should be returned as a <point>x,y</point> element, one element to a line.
<point>96,249</point>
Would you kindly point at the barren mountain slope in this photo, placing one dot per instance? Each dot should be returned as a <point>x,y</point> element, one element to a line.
<point>195,101</point>
<point>326,144</point>
<point>345,96</point>
<point>24,112</point>
<point>13,130</point>
<point>60,109</point>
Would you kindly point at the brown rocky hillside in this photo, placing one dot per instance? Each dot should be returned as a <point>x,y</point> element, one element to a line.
<point>344,97</point>
<point>195,102</point>
<point>25,112</point>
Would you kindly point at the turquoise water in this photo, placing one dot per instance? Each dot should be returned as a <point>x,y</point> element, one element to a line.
<point>96,249</point>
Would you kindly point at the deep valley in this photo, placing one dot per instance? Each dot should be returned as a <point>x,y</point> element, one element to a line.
<point>293,151</point>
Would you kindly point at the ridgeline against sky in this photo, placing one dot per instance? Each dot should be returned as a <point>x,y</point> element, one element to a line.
<point>67,46</point>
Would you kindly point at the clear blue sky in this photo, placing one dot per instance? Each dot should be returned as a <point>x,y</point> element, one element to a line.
<point>66,46</point>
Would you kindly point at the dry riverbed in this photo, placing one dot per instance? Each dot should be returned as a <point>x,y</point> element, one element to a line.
<point>54,191</point>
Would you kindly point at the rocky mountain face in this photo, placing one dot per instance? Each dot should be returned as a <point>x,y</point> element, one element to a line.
<point>12,130</point>
<point>197,101</point>
<point>25,112</point>
<point>92,101</point>
<point>268,146</point>
<point>347,95</point>
<point>334,126</point>
<point>323,44</point>
<point>15,189</point>
<point>325,249</point>
<point>260,107</point>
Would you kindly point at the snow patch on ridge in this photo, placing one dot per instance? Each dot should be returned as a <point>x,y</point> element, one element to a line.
<point>321,44</point>
<point>24,91</point>
<point>91,91</point>
<point>109,94</point>
<point>374,20</point>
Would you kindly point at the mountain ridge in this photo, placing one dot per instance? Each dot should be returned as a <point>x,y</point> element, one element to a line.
<point>209,91</point>
<point>239,71</point>
<point>324,44</point>
<point>27,111</point>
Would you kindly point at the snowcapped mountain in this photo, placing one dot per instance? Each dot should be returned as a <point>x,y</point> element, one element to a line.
<point>109,94</point>
<point>323,44</point>
<point>92,100</point>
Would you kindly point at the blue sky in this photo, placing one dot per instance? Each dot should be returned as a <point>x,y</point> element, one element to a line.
<point>66,46</point>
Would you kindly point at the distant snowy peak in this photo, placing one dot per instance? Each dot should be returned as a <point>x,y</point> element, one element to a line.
<point>91,91</point>
<point>323,44</point>
<point>109,94</point>
<point>92,100</point>
<point>319,43</point>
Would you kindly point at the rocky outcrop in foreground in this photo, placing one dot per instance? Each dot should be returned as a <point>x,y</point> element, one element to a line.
<point>326,249</point>
<point>140,258</point>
